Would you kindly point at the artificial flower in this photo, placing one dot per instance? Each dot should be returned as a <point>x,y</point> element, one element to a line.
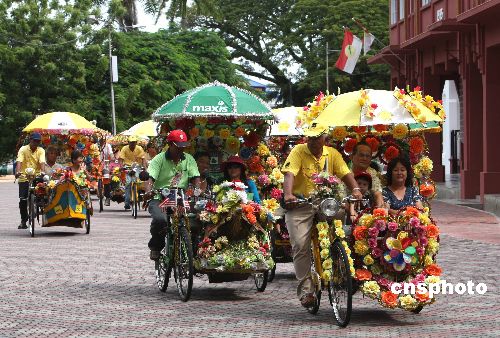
<point>433,270</point>
<point>427,190</point>
<point>276,193</point>
<point>408,302</point>
<point>368,260</point>
<point>363,274</point>
<point>371,289</point>
<point>432,279</point>
<point>272,161</point>
<point>416,145</point>
<point>361,247</point>
<point>359,129</point>
<point>380,127</point>
<point>208,133</point>
<point>365,220</point>
<point>232,145</point>
<point>262,150</point>
<point>389,299</point>
<point>224,133</point>
<point>422,296</point>
<point>390,153</point>
<point>327,264</point>
<point>360,232</point>
<point>349,145</point>
<point>432,231</point>
<point>339,232</point>
<point>194,132</point>
<point>239,132</point>
<point>428,260</point>
<point>399,131</point>
<point>379,212</point>
<point>324,253</point>
<point>339,133</point>
<point>373,143</point>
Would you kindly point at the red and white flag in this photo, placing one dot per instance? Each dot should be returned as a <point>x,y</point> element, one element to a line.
<point>349,55</point>
<point>368,39</point>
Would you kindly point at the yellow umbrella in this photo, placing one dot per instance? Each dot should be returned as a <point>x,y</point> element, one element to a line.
<point>371,107</point>
<point>60,122</point>
<point>143,129</point>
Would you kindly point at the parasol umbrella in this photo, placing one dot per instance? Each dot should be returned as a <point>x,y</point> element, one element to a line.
<point>214,100</point>
<point>371,107</point>
<point>60,123</point>
<point>285,122</point>
<point>143,129</point>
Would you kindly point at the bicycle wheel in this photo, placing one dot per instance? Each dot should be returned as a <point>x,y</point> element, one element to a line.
<point>340,286</point>
<point>100,194</point>
<point>183,270</point>
<point>163,266</point>
<point>317,281</point>
<point>31,214</point>
<point>261,280</point>
<point>87,222</point>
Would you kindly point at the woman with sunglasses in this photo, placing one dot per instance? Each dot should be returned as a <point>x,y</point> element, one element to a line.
<point>235,171</point>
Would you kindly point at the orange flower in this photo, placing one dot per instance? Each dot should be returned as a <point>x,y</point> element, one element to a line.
<point>390,153</point>
<point>389,299</point>
<point>360,232</point>
<point>433,270</point>
<point>194,132</point>
<point>247,208</point>
<point>412,212</point>
<point>239,132</point>
<point>380,127</point>
<point>426,190</point>
<point>251,218</point>
<point>349,145</point>
<point>422,297</point>
<point>379,212</point>
<point>432,231</point>
<point>416,145</point>
<point>363,274</point>
<point>373,143</point>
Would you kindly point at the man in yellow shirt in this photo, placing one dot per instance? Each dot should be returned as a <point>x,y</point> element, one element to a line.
<point>130,154</point>
<point>28,156</point>
<point>305,160</point>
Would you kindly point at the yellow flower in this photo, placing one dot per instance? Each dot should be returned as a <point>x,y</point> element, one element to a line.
<point>428,260</point>
<point>339,133</point>
<point>207,133</point>
<point>340,232</point>
<point>327,264</point>
<point>368,260</point>
<point>232,145</point>
<point>270,204</point>
<point>323,234</point>
<point>366,220</point>
<point>399,131</point>
<point>214,219</point>
<point>424,219</point>
<point>432,279</point>
<point>322,226</point>
<point>202,121</point>
<point>433,246</point>
<point>224,133</point>
<point>325,253</point>
<point>51,184</point>
<point>327,275</point>
<point>408,302</point>
<point>361,247</point>
<point>337,223</point>
<point>325,243</point>
<point>277,175</point>
<point>262,150</point>
<point>371,289</point>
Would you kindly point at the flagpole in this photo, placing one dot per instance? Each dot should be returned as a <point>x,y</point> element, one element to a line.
<point>376,39</point>
<point>327,81</point>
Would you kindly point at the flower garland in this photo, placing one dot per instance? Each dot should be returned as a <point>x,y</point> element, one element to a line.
<point>313,109</point>
<point>395,249</point>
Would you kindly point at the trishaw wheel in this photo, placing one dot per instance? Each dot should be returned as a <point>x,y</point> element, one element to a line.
<point>261,280</point>
<point>271,274</point>
<point>133,199</point>
<point>340,286</point>
<point>163,266</point>
<point>184,264</point>
<point>87,222</point>
<point>31,214</point>
<point>100,193</point>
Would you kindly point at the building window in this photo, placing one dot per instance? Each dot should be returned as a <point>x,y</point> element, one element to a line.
<point>425,2</point>
<point>394,12</point>
<point>401,9</point>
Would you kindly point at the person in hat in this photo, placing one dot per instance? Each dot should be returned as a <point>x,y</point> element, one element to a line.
<point>303,161</point>
<point>130,154</point>
<point>234,169</point>
<point>170,168</point>
<point>29,156</point>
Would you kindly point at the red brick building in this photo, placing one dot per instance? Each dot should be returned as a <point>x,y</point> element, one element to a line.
<point>432,41</point>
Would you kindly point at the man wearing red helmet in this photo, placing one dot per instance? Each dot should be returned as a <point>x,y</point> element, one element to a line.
<point>172,167</point>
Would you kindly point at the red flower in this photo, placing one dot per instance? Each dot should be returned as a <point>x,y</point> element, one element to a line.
<point>252,139</point>
<point>417,89</point>
<point>374,105</point>
<point>416,145</point>
<point>359,129</point>
<point>363,274</point>
<point>306,108</point>
<point>349,145</point>
<point>360,232</point>
<point>433,270</point>
<point>380,127</point>
<point>373,143</point>
<point>390,153</point>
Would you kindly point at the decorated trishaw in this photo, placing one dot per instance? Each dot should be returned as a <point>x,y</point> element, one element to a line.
<point>221,232</point>
<point>60,197</point>
<point>380,252</point>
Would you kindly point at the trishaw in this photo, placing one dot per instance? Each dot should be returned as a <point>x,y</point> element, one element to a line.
<point>378,249</point>
<point>63,199</point>
<point>221,232</point>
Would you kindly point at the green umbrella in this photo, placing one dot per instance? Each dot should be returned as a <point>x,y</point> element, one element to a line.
<point>214,100</point>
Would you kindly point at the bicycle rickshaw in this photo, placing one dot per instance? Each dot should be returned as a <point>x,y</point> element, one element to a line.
<point>62,199</point>
<point>378,249</point>
<point>220,233</point>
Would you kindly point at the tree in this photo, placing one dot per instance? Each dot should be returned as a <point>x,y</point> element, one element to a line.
<point>280,35</point>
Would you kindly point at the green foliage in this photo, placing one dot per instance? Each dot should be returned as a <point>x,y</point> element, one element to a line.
<point>291,34</point>
<point>52,59</point>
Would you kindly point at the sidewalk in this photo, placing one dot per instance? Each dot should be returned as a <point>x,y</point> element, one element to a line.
<point>7,178</point>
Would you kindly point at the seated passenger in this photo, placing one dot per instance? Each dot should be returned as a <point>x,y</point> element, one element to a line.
<point>51,156</point>
<point>203,161</point>
<point>235,171</point>
<point>364,181</point>
<point>400,191</point>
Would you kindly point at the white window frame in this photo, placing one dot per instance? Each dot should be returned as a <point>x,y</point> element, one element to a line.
<point>394,12</point>
<point>425,2</point>
<point>401,10</point>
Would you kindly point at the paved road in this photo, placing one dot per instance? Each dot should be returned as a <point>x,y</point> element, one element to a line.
<point>65,283</point>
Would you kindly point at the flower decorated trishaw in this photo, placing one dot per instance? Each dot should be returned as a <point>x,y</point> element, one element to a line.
<point>228,231</point>
<point>62,197</point>
<point>382,251</point>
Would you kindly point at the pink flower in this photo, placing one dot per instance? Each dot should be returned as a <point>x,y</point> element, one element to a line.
<point>372,242</point>
<point>392,226</point>
<point>264,180</point>
<point>333,180</point>
<point>414,222</point>
<point>424,241</point>
<point>420,251</point>
<point>380,224</point>
<point>373,232</point>
<point>377,252</point>
<point>420,278</point>
<point>276,193</point>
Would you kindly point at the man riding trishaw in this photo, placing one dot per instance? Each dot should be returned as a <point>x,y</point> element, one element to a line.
<point>131,154</point>
<point>303,161</point>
